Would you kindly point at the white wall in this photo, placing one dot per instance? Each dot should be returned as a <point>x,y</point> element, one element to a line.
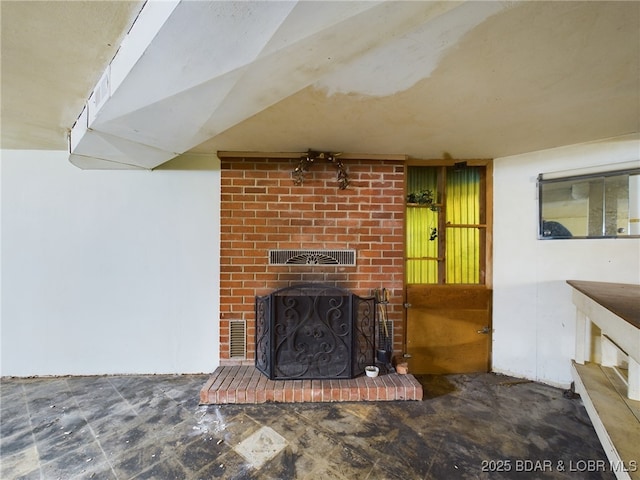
<point>108,271</point>
<point>533,316</point>
<point>118,271</point>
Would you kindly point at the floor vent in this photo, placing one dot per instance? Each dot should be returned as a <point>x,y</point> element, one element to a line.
<point>237,339</point>
<point>312,257</point>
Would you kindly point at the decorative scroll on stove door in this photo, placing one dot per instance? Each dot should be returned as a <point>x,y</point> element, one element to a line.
<point>314,331</point>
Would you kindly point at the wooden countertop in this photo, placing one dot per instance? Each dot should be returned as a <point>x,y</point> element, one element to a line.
<point>623,299</point>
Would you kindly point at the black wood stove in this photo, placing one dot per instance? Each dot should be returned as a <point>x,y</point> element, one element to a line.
<point>314,331</point>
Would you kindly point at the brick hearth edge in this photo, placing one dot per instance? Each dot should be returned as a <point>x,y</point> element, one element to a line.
<point>246,385</point>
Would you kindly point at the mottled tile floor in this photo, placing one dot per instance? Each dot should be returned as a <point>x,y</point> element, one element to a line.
<point>143,427</point>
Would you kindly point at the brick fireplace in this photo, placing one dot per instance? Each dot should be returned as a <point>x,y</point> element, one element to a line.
<point>262,209</point>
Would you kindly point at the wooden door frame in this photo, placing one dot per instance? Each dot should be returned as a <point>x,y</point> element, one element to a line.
<point>488,251</point>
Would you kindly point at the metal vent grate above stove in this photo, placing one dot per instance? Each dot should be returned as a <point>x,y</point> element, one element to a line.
<point>312,257</point>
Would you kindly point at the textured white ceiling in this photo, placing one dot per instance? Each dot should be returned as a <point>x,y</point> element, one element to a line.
<point>475,79</point>
<point>53,53</point>
<point>533,76</point>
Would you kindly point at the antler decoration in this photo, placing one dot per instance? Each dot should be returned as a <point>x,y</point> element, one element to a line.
<point>303,167</point>
<point>306,161</point>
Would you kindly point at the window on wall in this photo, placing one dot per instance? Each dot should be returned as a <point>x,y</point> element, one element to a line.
<point>445,225</point>
<point>599,205</point>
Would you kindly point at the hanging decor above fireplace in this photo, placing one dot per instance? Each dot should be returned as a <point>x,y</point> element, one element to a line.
<point>306,161</point>
<point>314,331</point>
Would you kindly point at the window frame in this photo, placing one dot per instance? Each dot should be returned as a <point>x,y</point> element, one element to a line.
<point>550,178</point>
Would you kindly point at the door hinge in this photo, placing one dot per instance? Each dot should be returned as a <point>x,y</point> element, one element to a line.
<point>406,305</point>
<point>485,330</point>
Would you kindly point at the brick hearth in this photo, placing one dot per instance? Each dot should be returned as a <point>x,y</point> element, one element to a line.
<point>245,384</point>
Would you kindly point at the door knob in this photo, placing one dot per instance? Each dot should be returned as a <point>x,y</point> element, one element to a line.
<point>485,330</point>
